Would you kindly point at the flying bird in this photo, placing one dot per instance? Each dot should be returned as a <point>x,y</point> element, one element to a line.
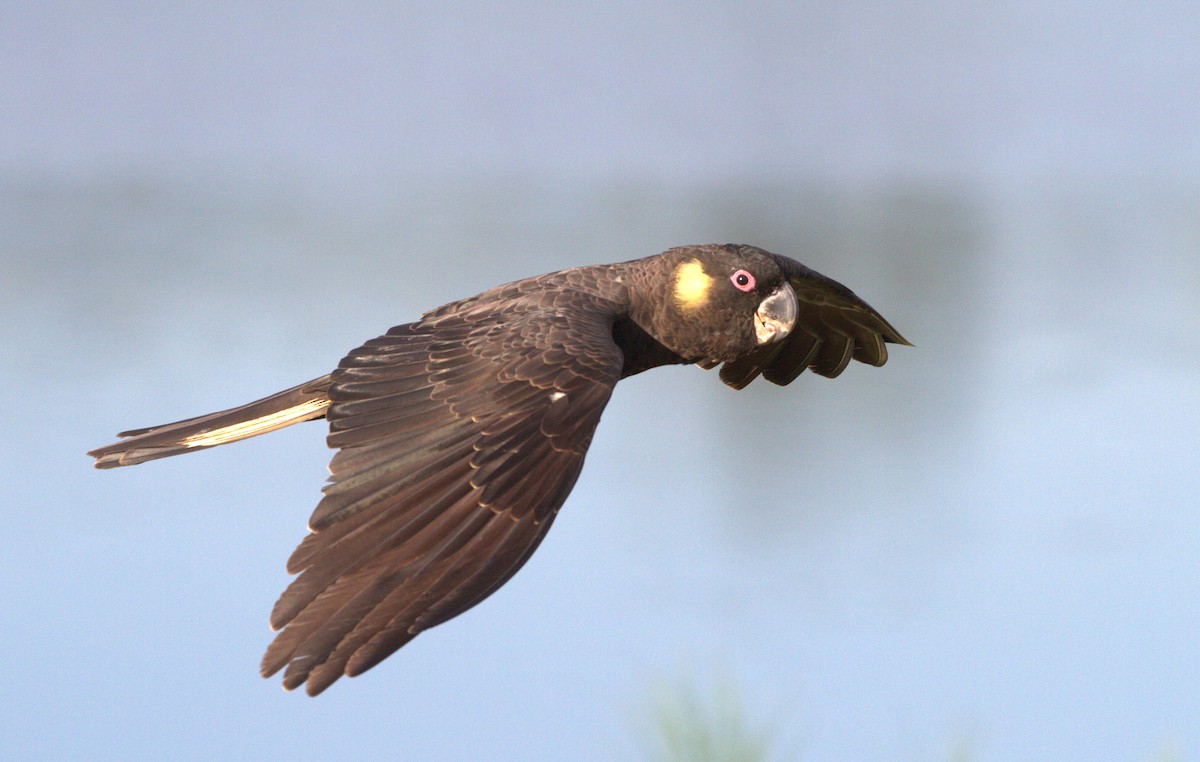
<point>459,436</point>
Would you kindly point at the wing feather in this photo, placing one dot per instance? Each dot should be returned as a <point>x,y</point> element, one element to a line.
<point>458,439</point>
<point>380,532</point>
<point>399,574</point>
<point>396,620</point>
<point>794,357</point>
<point>834,326</point>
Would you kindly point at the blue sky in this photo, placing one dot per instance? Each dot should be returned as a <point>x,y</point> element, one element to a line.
<point>618,90</point>
<point>990,542</point>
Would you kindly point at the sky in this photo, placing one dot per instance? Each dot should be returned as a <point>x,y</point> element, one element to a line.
<point>988,546</point>
<point>615,91</point>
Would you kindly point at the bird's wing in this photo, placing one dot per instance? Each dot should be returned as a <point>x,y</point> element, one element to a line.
<point>458,437</point>
<point>833,327</point>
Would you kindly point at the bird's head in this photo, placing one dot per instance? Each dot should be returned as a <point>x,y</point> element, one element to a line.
<point>717,302</point>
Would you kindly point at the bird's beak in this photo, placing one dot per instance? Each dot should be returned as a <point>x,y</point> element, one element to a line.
<point>776,315</point>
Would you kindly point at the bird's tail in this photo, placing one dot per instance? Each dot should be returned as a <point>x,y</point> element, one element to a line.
<point>300,403</point>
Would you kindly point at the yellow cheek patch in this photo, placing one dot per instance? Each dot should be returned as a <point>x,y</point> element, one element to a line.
<point>692,284</point>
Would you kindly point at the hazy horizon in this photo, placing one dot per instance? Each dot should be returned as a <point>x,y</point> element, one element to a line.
<point>988,544</point>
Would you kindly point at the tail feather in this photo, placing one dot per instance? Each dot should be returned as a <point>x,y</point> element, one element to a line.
<point>300,403</point>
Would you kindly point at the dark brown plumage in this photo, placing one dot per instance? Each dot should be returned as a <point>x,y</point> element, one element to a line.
<point>459,436</point>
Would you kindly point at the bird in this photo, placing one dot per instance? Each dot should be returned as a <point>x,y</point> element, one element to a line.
<point>458,437</point>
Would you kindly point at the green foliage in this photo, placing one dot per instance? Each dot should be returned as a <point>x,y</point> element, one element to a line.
<point>683,722</point>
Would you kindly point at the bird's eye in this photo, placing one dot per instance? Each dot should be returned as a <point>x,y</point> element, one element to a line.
<point>742,280</point>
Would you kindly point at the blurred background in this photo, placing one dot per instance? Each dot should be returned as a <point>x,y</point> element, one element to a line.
<point>988,549</point>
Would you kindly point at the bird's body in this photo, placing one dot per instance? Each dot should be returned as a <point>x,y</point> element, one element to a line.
<point>459,436</point>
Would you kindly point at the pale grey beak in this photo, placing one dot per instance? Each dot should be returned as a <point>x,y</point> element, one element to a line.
<point>776,315</point>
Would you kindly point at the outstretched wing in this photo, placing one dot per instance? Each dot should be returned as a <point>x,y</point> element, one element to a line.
<point>833,327</point>
<point>459,437</point>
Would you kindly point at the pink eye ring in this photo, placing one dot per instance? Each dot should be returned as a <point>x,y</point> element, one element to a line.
<point>742,280</point>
